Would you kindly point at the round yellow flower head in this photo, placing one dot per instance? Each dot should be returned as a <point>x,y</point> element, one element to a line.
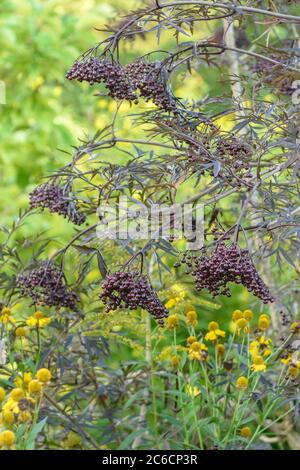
<point>246,432</point>
<point>220,349</point>
<point>43,375</point>
<point>242,383</point>
<point>175,360</point>
<point>6,311</point>
<point>241,323</point>
<point>191,339</point>
<point>191,318</point>
<point>7,439</point>
<point>172,321</point>
<point>264,322</point>
<point>213,325</point>
<point>258,364</point>
<point>24,417</point>
<point>236,315</point>
<point>16,394</point>
<point>8,417</point>
<point>295,327</point>
<point>2,393</point>
<point>34,386</point>
<point>20,332</point>
<point>196,346</point>
<point>248,314</point>
<point>38,315</point>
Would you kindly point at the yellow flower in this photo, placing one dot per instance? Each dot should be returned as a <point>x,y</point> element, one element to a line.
<point>24,416</point>
<point>236,315</point>
<point>8,417</point>
<point>172,321</point>
<point>20,332</point>
<point>246,432</point>
<point>2,393</point>
<point>175,361</point>
<point>198,351</point>
<point>11,405</point>
<point>191,318</point>
<point>264,344</point>
<point>192,391</point>
<point>214,331</point>
<point>264,322</point>
<point>258,364</point>
<point>220,349</point>
<point>22,381</point>
<point>242,383</point>
<point>248,314</point>
<point>293,370</point>
<point>254,348</point>
<point>6,316</point>
<point>171,303</point>
<point>34,386</point>
<point>39,320</point>
<point>191,339</point>
<point>241,323</point>
<point>7,439</point>
<point>286,360</point>
<point>16,394</point>
<point>295,327</point>
<point>43,375</point>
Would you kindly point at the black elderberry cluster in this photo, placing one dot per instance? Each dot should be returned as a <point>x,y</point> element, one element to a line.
<point>227,263</point>
<point>132,290</point>
<point>149,78</point>
<point>45,286</point>
<point>53,197</point>
<point>94,70</point>
<point>124,82</point>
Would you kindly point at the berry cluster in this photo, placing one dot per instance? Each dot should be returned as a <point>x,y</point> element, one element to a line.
<point>149,79</point>
<point>45,285</point>
<point>124,82</point>
<point>54,197</point>
<point>132,290</point>
<point>94,70</point>
<point>227,263</point>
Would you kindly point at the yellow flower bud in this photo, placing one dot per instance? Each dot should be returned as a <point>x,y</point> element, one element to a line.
<point>246,432</point>
<point>34,386</point>
<point>2,393</point>
<point>43,375</point>
<point>16,394</point>
<point>242,383</point>
<point>7,439</point>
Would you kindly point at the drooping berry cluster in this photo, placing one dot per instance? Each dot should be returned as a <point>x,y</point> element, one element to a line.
<point>94,70</point>
<point>132,290</point>
<point>54,197</point>
<point>149,78</point>
<point>45,286</point>
<point>227,263</point>
<point>124,82</point>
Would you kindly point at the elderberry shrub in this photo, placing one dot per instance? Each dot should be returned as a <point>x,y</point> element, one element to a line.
<point>227,263</point>
<point>45,286</point>
<point>132,290</point>
<point>53,197</point>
